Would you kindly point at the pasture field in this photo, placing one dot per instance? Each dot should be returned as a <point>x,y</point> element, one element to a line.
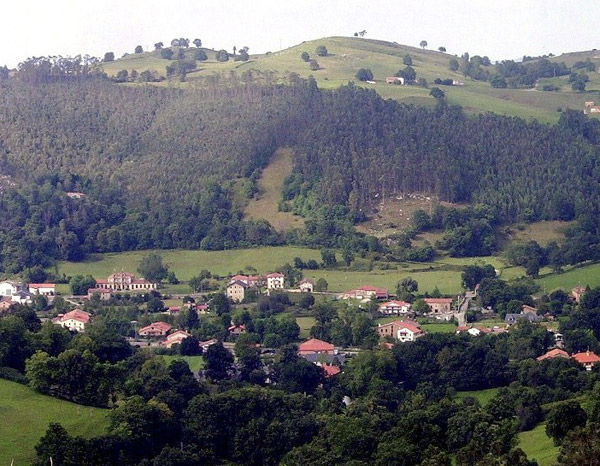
<point>483,396</point>
<point>543,232</point>
<point>196,363</point>
<point>27,414</point>
<point>580,276</point>
<point>538,446</point>
<point>305,324</point>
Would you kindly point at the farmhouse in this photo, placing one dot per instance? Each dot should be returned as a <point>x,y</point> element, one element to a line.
<point>275,281</point>
<point>588,359</point>
<point>236,330</point>
<point>253,281</point>
<point>439,305</point>
<point>401,330</point>
<point>394,80</point>
<point>366,293</point>
<point>9,287</point>
<point>394,308</point>
<point>306,286</point>
<point>22,297</point>
<point>104,294</point>
<point>5,303</point>
<point>175,338</point>
<point>512,319</point>
<point>578,292</point>
<point>157,329</point>
<point>75,320</point>
<point>525,309</point>
<point>45,289</point>
<point>236,291</point>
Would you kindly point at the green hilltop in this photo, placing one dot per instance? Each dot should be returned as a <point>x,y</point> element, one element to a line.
<point>346,55</point>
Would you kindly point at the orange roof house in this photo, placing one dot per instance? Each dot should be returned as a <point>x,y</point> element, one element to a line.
<point>554,353</point>
<point>157,329</point>
<point>587,359</point>
<point>315,346</point>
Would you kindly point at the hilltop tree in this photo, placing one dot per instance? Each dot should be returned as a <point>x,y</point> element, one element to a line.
<point>321,51</point>
<point>305,56</point>
<point>158,45</point>
<point>175,43</point>
<point>453,64</point>
<point>314,65</point>
<point>200,55</point>
<point>197,43</point>
<point>423,44</point>
<point>139,49</point>
<point>167,54</point>
<point>362,33</point>
<point>152,268</point>
<point>407,60</point>
<point>442,49</point>
<point>108,57</point>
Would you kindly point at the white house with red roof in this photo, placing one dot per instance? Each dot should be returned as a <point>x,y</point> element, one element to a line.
<point>439,305</point>
<point>400,330</point>
<point>75,320</point>
<point>10,287</point>
<point>156,329</point>
<point>275,281</point>
<point>175,338</point>
<point>306,285</point>
<point>315,346</point>
<point>45,289</point>
<point>329,369</point>
<point>236,291</point>
<point>587,359</point>
<point>253,281</point>
<point>394,308</point>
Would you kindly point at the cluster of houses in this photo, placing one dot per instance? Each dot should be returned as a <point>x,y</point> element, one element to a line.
<point>239,284</point>
<point>13,292</point>
<point>588,359</point>
<point>120,281</point>
<point>591,107</point>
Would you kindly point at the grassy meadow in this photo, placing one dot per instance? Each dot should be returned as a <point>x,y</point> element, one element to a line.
<point>196,363</point>
<point>538,446</point>
<point>580,276</point>
<point>483,396</point>
<point>27,414</point>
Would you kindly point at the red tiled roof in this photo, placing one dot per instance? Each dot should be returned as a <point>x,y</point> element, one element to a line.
<point>160,326</point>
<point>178,334</point>
<point>331,370</point>
<point>315,345</point>
<point>395,303</point>
<point>42,285</point>
<point>76,314</point>
<point>407,324</point>
<point>275,275</point>
<point>555,353</point>
<point>438,300</point>
<point>586,358</point>
<point>101,281</point>
<point>233,327</point>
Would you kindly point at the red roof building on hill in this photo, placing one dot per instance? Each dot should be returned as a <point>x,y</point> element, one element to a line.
<point>74,320</point>
<point>316,346</point>
<point>394,307</point>
<point>554,353</point>
<point>588,359</point>
<point>330,370</point>
<point>401,330</point>
<point>176,338</point>
<point>366,292</point>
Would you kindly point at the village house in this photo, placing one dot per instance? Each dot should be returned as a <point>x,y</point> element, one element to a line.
<point>208,343</point>
<point>400,330</point>
<point>329,369</point>
<point>306,286</point>
<point>9,287</point>
<point>553,353</point>
<point>512,319</point>
<point>439,305</point>
<point>525,309</point>
<point>156,329</point>
<point>22,297</point>
<point>253,281</point>
<point>104,294</point>
<point>45,289</point>
<point>394,308</point>
<point>175,338</point>
<point>202,308</point>
<point>236,291</point>
<point>5,303</point>
<point>75,195</point>
<point>75,320</point>
<point>578,292</point>
<point>587,359</point>
<point>365,293</point>
<point>315,346</point>
<point>275,281</point>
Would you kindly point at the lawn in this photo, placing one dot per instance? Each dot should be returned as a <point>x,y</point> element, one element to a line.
<point>305,324</point>
<point>196,363</point>
<point>27,414</point>
<point>483,396</point>
<point>187,263</point>
<point>538,446</point>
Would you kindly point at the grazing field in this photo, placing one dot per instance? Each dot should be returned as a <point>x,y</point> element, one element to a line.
<point>580,276</point>
<point>266,204</point>
<point>542,232</point>
<point>305,324</point>
<point>26,415</point>
<point>538,446</point>
<point>483,396</point>
<point>196,363</point>
<point>187,263</point>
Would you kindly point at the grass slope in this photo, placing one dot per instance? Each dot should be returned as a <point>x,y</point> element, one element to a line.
<point>538,446</point>
<point>266,204</point>
<point>196,363</point>
<point>483,396</point>
<point>347,54</point>
<point>581,276</point>
<point>26,417</point>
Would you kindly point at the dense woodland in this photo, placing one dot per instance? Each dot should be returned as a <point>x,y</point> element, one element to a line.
<point>161,168</point>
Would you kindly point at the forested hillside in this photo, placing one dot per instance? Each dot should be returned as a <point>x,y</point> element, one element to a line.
<point>157,168</point>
